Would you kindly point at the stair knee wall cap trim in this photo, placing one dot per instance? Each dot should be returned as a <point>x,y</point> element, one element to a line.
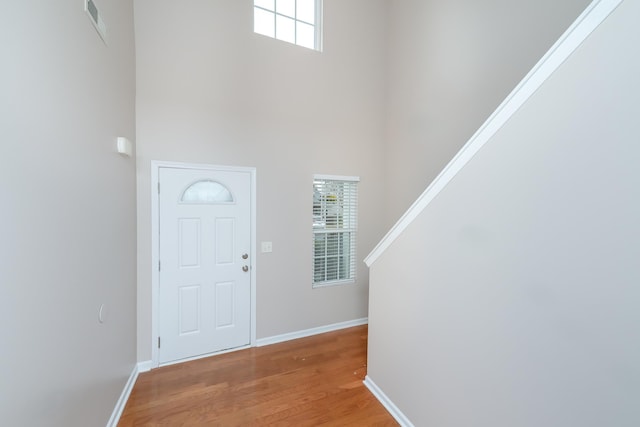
<point>586,23</point>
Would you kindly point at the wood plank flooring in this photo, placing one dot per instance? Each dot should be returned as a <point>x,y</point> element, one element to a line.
<point>314,381</point>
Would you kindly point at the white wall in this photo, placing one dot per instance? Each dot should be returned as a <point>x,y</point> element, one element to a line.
<point>67,216</point>
<point>451,63</point>
<point>211,91</point>
<point>513,299</point>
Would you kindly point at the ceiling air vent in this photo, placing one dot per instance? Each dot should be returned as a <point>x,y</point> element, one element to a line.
<point>96,19</point>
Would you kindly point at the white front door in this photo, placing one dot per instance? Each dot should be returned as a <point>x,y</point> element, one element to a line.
<point>205,247</point>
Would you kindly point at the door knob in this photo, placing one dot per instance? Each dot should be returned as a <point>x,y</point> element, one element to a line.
<point>245,268</point>
<point>245,256</point>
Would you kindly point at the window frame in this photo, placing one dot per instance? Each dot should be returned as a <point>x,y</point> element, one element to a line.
<point>346,234</point>
<point>317,25</point>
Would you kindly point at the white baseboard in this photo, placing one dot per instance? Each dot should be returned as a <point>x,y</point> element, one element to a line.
<point>124,396</point>
<point>148,364</point>
<point>309,332</point>
<point>145,366</point>
<point>387,403</point>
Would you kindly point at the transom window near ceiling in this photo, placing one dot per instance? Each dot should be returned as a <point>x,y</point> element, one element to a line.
<point>292,21</point>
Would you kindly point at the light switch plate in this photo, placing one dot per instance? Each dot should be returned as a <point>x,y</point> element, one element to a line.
<point>267,247</point>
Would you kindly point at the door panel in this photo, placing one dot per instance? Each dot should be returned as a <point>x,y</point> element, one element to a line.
<point>225,240</point>
<point>189,309</point>
<point>189,242</point>
<point>224,304</point>
<point>204,292</point>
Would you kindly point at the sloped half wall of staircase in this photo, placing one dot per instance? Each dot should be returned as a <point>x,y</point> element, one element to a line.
<point>512,298</point>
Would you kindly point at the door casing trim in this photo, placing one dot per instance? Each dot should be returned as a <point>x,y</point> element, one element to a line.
<point>155,244</point>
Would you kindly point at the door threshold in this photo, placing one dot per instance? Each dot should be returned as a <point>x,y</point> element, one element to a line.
<point>203,356</point>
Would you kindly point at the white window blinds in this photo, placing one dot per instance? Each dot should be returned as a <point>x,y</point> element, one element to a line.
<point>335,223</point>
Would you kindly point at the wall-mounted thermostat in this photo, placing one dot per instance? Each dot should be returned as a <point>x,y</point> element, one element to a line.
<point>96,19</point>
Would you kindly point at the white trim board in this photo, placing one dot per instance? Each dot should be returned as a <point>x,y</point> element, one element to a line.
<point>124,397</point>
<point>145,366</point>
<point>387,403</point>
<point>586,23</point>
<point>155,255</point>
<point>309,332</point>
<point>149,364</point>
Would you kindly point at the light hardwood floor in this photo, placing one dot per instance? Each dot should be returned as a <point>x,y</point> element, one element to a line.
<point>315,381</point>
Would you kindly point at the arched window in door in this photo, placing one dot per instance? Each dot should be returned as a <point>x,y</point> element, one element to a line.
<point>206,192</point>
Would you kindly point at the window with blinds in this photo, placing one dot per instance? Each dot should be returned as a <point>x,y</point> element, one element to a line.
<point>335,223</point>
